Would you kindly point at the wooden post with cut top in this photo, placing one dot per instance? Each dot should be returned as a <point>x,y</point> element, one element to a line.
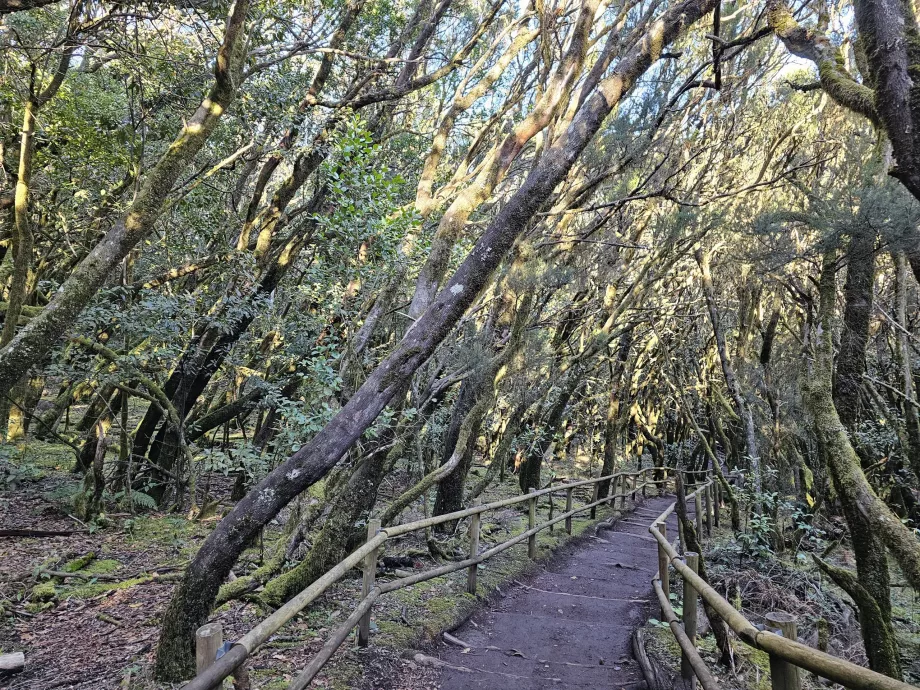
<point>532,522</point>
<point>370,574</point>
<point>594,496</point>
<point>718,503</point>
<point>208,639</point>
<point>783,675</point>
<point>568,509</point>
<point>474,550</point>
<point>698,504</point>
<point>690,619</point>
<point>663,565</point>
<point>708,491</point>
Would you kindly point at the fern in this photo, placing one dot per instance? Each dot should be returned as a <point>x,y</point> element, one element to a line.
<point>139,498</point>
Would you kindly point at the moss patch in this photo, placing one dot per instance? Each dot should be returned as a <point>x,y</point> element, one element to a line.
<point>44,591</point>
<point>93,589</point>
<point>79,563</point>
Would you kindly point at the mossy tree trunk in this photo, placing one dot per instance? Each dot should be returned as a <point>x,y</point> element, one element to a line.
<point>613,422</point>
<point>858,296</point>
<point>872,525</point>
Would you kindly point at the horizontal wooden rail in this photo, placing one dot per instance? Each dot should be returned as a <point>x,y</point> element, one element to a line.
<point>820,663</point>
<point>247,645</point>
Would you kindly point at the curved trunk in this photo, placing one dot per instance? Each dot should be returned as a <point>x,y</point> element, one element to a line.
<point>466,416</point>
<point>193,598</point>
<point>872,525</point>
<point>40,335</point>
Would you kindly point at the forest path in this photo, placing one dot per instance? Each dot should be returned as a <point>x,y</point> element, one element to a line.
<point>570,625</point>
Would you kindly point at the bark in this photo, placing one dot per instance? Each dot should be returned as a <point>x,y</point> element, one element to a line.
<point>97,409</point>
<point>613,422</point>
<point>742,409</point>
<point>41,334</point>
<point>47,422</point>
<point>193,597</point>
<point>478,391</point>
<point>22,237</point>
<point>548,423</point>
<point>909,408</point>
<point>890,35</point>
<point>874,621</point>
<point>502,450</point>
<point>466,436</point>
<point>225,413</point>
<point>9,6</point>
<point>499,161</point>
<point>813,45</point>
<point>851,360</point>
<point>472,405</point>
<point>871,517</point>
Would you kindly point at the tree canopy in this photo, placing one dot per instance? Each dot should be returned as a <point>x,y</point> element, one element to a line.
<point>359,248</point>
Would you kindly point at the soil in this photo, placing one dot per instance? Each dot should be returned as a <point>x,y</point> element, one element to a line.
<point>570,625</point>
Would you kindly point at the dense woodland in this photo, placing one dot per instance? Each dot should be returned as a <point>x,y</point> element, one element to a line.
<point>257,252</point>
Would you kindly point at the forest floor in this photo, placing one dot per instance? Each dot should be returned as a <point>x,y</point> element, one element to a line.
<point>97,627</point>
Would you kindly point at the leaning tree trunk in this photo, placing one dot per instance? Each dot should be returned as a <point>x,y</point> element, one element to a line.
<point>872,525</point>
<point>40,335</point>
<point>529,477</point>
<point>193,598</point>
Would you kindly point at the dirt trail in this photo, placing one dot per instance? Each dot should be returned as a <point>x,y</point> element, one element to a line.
<point>569,626</point>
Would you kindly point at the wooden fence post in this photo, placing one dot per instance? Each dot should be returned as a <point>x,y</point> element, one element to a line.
<point>690,618</point>
<point>568,509</point>
<point>698,504</point>
<point>208,639</point>
<point>718,507</point>
<point>474,551</point>
<point>663,561</point>
<point>593,499</point>
<point>370,574</point>
<point>532,522</point>
<point>783,675</point>
<point>709,491</point>
<point>634,486</point>
<point>644,484</point>
<point>552,509</point>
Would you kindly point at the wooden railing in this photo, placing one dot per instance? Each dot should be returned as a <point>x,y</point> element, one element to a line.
<point>786,654</point>
<point>623,486</point>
